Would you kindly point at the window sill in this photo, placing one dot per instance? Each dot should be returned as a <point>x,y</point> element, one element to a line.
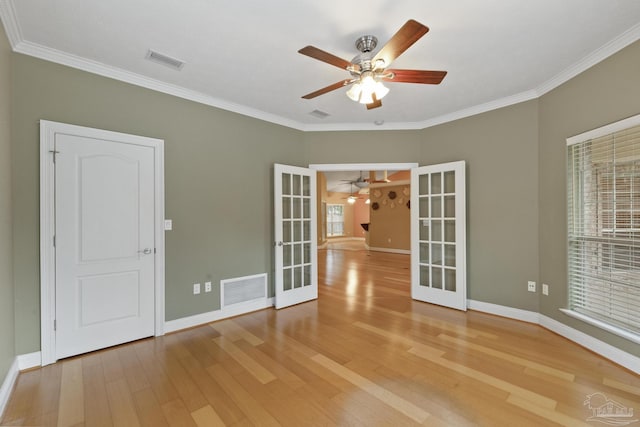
<point>602,325</point>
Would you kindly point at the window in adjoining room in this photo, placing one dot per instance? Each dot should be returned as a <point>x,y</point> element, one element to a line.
<point>335,220</point>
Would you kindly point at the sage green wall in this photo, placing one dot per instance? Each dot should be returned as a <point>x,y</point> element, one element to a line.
<point>217,186</point>
<point>500,148</point>
<point>7,328</point>
<point>606,93</point>
<point>362,146</point>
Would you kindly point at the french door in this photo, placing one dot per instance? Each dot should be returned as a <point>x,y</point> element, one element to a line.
<point>438,235</point>
<point>296,270</point>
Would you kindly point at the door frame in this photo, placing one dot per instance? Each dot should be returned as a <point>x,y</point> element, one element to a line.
<point>48,131</point>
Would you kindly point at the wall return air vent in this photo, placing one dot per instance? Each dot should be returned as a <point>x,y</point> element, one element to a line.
<point>163,59</point>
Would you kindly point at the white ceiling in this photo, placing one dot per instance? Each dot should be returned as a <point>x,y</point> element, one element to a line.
<point>242,55</point>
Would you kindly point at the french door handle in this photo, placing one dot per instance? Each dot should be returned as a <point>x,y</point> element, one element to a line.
<point>280,243</point>
<point>146,251</point>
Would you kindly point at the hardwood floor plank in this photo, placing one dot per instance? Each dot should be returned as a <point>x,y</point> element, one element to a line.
<point>148,409</point>
<point>111,364</point>
<point>254,368</point>
<point>187,389</point>
<point>220,401</point>
<point>155,372</point>
<point>123,410</point>
<point>513,389</point>
<point>545,412</point>
<point>207,417</point>
<point>277,369</point>
<point>243,398</point>
<point>231,330</point>
<point>177,414</point>
<point>386,397</point>
<point>96,407</point>
<point>19,408</point>
<point>132,369</point>
<point>629,388</point>
<point>71,409</point>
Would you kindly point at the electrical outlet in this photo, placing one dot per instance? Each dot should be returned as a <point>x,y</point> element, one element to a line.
<point>207,286</point>
<point>168,224</point>
<point>531,286</point>
<point>545,289</point>
<point>196,288</point>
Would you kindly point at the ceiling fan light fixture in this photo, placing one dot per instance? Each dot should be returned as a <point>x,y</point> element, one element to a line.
<point>351,200</point>
<point>364,89</point>
<point>354,92</point>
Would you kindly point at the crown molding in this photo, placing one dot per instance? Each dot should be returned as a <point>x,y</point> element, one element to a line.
<point>623,40</point>
<point>12,27</point>
<point>52,55</point>
<point>10,22</point>
<point>456,115</point>
<point>480,108</point>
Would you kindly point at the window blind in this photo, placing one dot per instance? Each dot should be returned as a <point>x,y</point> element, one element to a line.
<point>604,227</point>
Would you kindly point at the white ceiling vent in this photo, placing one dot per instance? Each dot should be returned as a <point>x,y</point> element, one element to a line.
<point>319,114</point>
<point>163,59</point>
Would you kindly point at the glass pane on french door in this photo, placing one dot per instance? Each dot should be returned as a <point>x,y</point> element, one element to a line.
<point>438,236</point>
<point>295,225</point>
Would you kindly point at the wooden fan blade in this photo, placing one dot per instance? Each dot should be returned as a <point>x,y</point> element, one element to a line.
<point>323,56</point>
<point>375,104</point>
<point>410,33</point>
<point>415,76</point>
<point>329,88</point>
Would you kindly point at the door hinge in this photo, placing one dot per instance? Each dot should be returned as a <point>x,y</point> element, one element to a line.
<point>54,152</point>
<point>54,240</point>
<point>55,326</point>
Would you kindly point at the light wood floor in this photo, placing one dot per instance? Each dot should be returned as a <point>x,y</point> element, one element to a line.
<point>363,354</point>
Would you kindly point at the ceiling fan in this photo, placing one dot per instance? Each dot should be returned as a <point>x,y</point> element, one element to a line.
<point>352,196</point>
<point>368,71</point>
<point>360,182</point>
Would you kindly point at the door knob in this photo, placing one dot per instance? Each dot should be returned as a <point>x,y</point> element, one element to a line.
<point>145,251</point>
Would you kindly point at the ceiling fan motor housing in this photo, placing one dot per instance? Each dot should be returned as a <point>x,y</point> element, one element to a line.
<point>366,43</point>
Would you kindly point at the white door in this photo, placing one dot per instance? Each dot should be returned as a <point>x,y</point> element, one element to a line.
<point>104,243</point>
<point>296,265</point>
<point>438,235</point>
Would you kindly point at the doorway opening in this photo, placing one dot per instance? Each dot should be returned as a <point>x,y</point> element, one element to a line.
<point>357,197</point>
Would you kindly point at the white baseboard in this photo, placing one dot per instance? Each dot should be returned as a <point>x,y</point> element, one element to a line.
<point>601,348</point>
<point>608,351</point>
<point>29,360</point>
<point>212,316</point>
<point>504,311</point>
<point>390,250</point>
<point>7,386</point>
